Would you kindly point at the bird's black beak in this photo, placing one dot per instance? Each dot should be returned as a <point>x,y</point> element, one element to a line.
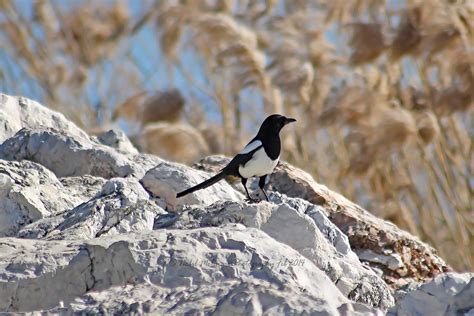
<point>289,120</point>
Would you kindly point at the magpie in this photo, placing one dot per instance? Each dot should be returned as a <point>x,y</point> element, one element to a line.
<point>258,159</point>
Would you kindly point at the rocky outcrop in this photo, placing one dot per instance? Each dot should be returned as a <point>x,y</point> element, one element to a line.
<point>121,206</point>
<point>68,156</point>
<point>166,179</point>
<point>29,192</point>
<point>231,268</point>
<point>118,140</point>
<point>89,225</point>
<point>303,227</point>
<point>19,112</point>
<point>400,257</point>
<point>446,294</point>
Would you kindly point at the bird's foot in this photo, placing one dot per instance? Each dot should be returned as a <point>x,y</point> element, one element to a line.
<point>250,200</point>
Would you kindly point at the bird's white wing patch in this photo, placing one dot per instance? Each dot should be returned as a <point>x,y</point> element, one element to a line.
<point>252,146</point>
<point>259,165</point>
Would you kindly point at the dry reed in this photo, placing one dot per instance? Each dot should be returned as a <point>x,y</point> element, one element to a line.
<point>384,115</point>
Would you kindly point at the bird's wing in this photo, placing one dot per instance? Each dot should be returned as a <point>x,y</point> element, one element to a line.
<point>243,157</point>
<point>232,169</point>
<point>254,144</point>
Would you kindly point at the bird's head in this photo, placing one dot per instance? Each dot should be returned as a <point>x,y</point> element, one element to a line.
<point>274,123</point>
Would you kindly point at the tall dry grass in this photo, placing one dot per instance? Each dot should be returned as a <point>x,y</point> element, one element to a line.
<point>383,91</point>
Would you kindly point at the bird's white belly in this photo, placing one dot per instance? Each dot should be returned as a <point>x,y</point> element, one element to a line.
<point>259,165</point>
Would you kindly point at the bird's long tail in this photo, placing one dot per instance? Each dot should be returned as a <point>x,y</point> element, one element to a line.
<point>203,185</point>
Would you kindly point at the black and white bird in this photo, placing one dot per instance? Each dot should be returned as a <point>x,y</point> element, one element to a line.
<point>258,159</point>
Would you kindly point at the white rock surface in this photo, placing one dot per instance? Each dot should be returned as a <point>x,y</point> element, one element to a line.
<point>393,261</point>
<point>19,112</point>
<point>67,155</point>
<point>167,179</point>
<point>29,192</point>
<point>88,225</point>
<point>399,257</point>
<point>289,223</point>
<point>38,275</point>
<point>446,294</point>
<point>251,297</point>
<point>118,140</point>
<point>122,206</point>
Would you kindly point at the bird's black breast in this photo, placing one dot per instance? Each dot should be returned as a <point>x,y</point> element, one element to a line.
<point>272,146</point>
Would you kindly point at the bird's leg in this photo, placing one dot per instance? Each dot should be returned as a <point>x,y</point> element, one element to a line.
<point>261,184</point>
<point>244,183</point>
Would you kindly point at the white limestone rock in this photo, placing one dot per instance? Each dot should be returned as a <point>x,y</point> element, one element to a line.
<point>30,192</point>
<point>463,302</point>
<point>228,297</point>
<point>84,187</point>
<point>447,294</point>
<point>118,140</point>
<point>167,179</point>
<point>68,156</point>
<point>230,269</point>
<point>83,210</point>
<point>391,260</point>
<point>288,223</point>
<point>386,244</point>
<point>122,206</point>
<point>19,112</point>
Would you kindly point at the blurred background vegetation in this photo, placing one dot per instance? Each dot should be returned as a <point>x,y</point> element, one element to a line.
<point>382,90</point>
